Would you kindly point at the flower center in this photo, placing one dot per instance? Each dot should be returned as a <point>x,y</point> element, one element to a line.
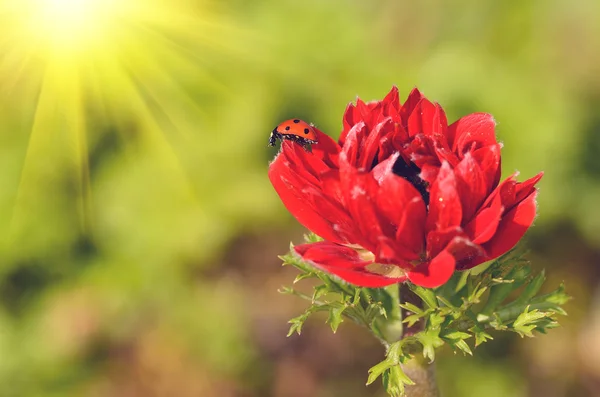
<point>411,172</point>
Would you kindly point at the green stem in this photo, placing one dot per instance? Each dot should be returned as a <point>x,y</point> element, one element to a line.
<point>417,368</point>
<point>423,374</point>
<point>391,328</point>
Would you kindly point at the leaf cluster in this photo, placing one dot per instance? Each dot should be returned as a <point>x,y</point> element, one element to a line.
<point>502,295</point>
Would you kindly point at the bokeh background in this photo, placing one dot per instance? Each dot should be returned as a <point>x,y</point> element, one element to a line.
<point>139,232</point>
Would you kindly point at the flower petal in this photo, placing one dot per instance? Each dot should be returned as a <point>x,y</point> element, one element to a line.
<point>485,224</point>
<point>488,158</point>
<point>289,187</point>
<point>424,119</point>
<point>401,204</point>
<point>471,185</point>
<point>512,227</point>
<point>345,263</point>
<point>409,105</point>
<point>326,149</point>
<point>434,273</point>
<point>472,132</point>
<point>370,146</point>
<point>444,204</point>
<point>438,240</point>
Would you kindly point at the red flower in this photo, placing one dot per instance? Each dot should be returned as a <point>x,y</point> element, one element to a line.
<point>403,195</point>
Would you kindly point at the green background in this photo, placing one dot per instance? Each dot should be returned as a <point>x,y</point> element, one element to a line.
<point>139,256</point>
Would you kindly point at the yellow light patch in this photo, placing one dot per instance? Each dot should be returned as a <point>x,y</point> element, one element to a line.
<point>390,271</point>
<point>123,60</point>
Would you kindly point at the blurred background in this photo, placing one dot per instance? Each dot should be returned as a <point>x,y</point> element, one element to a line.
<point>139,233</point>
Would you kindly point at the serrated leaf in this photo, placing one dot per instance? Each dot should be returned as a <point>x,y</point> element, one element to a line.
<point>427,295</point>
<point>375,310</point>
<point>447,303</point>
<point>527,322</point>
<point>312,238</point>
<point>430,340</point>
<point>462,282</point>
<point>411,308</point>
<point>413,319</point>
<point>377,370</point>
<point>557,296</point>
<point>356,298</point>
<point>394,352</point>
<point>480,335</point>
<point>457,335</point>
<point>303,276</point>
<point>435,319</point>
<point>285,290</point>
<point>335,317</point>
<point>463,346</point>
<point>532,288</point>
<point>297,323</point>
<point>394,380</point>
<point>319,291</point>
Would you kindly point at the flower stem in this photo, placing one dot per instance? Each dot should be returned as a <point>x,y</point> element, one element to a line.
<point>423,374</point>
<point>417,368</point>
<point>391,327</point>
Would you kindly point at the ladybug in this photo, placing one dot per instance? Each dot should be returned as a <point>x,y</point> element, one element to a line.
<point>294,130</point>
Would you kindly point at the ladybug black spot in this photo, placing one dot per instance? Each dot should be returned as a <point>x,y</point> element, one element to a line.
<point>287,128</point>
<point>306,130</point>
<point>296,121</point>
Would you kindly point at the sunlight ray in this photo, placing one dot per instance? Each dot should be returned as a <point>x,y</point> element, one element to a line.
<point>128,59</point>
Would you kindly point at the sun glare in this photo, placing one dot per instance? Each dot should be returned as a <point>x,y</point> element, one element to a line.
<point>121,59</point>
<point>73,24</point>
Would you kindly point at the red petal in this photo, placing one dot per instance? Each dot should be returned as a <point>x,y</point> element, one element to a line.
<point>429,173</point>
<point>409,105</point>
<point>437,240</point>
<point>353,142</point>
<point>488,159</point>
<point>304,162</point>
<point>360,191</point>
<point>466,253</point>
<point>384,168</point>
<point>476,128</point>
<point>444,204</point>
<point>435,273</point>
<point>345,263</point>
<point>392,99</point>
<point>471,185</point>
<point>326,149</point>
<point>483,227</point>
<point>402,205</point>
<point>289,188</point>
<point>370,146</point>
<point>512,227</point>
<point>421,120</point>
<point>524,189</point>
<point>349,120</point>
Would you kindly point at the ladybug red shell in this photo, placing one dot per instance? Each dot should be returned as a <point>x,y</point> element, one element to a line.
<point>294,130</point>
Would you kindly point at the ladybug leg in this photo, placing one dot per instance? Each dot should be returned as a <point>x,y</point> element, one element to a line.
<point>274,136</point>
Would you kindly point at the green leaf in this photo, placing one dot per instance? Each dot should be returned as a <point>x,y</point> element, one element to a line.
<point>430,340</point>
<point>377,370</point>
<point>394,380</point>
<point>411,308</point>
<point>532,288</point>
<point>303,276</point>
<point>527,322</point>
<point>319,291</point>
<point>426,294</point>
<point>456,339</point>
<point>335,317</point>
<point>297,323</point>
<point>480,335</point>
